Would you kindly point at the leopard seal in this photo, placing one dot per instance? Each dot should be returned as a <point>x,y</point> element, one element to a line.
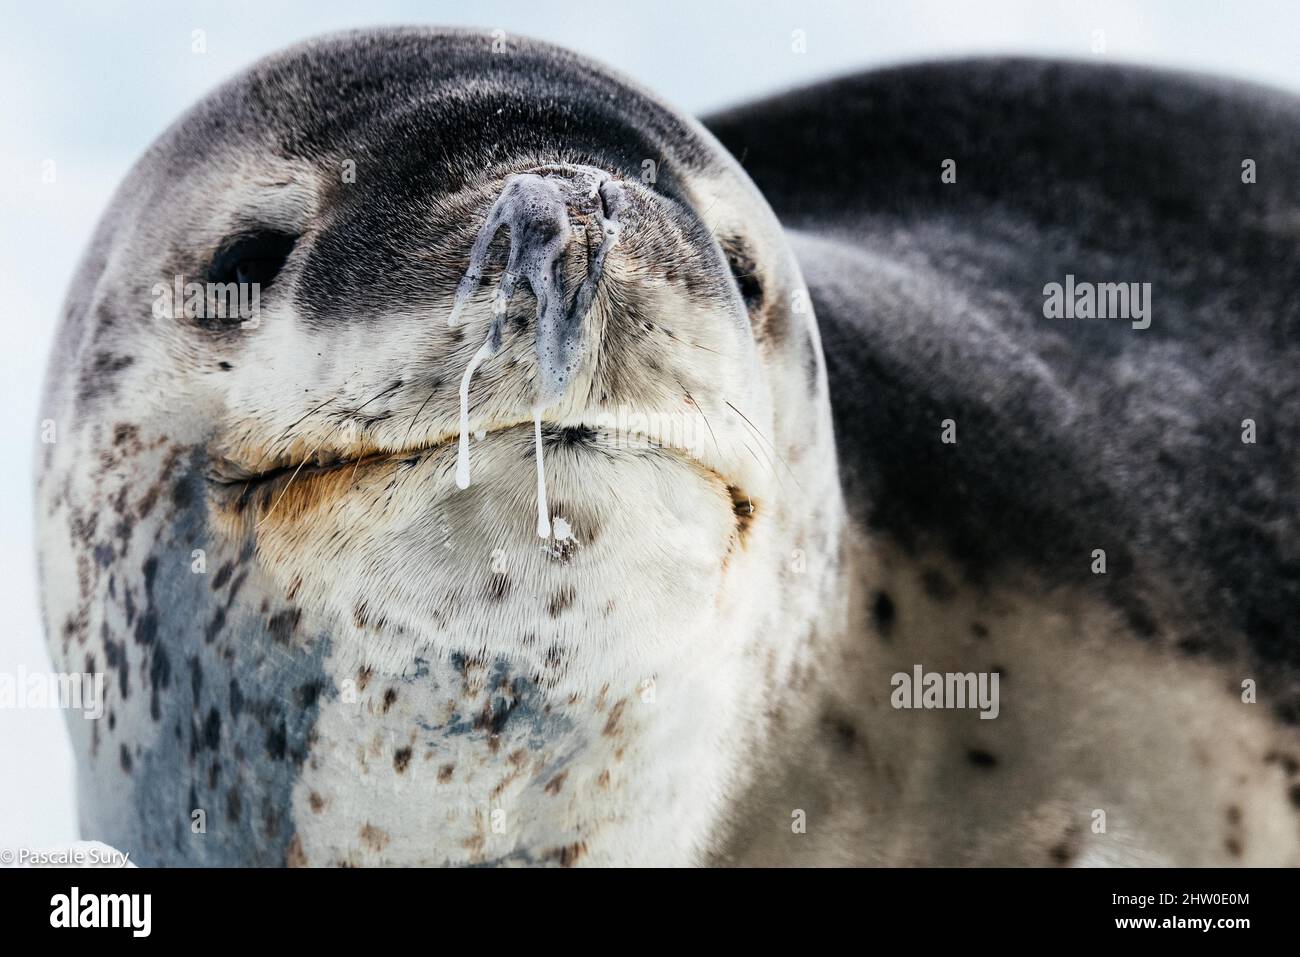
<point>513,528</point>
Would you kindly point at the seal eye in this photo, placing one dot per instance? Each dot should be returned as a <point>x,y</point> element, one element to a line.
<point>744,271</point>
<point>255,257</point>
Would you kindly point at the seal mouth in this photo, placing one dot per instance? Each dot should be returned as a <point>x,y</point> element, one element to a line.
<point>240,488</point>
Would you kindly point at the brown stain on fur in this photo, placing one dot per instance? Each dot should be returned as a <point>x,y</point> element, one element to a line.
<point>567,855</point>
<point>374,838</point>
<point>743,507</point>
<point>296,857</point>
<point>615,716</point>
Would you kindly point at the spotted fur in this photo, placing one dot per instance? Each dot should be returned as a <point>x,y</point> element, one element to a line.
<point>322,652</point>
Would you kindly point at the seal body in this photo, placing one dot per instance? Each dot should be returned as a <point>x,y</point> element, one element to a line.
<point>1081,505</point>
<point>570,578</point>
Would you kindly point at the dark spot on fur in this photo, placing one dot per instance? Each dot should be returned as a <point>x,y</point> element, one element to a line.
<point>556,784</point>
<point>269,819</point>
<point>124,756</point>
<point>234,806</point>
<point>222,576</point>
<point>498,587</point>
<point>1233,845</point>
<point>196,680</point>
<point>615,716</point>
<point>1294,794</point>
<point>307,694</point>
<point>214,627</point>
<point>553,659</point>
<point>390,695</point>
<point>181,494</point>
<point>316,802</point>
<point>936,585</point>
<point>146,628</point>
<point>374,838</point>
<point>212,729</point>
<point>445,772</point>
<point>842,731</point>
<point>99,377</point>
<point>224,366</point>
<point>882,611</point>
<point>236,699</point>
<point>160,673</point>
<point>1289,764</point>
<point>573,437</point>
<point>496,713</point>
<point>277,740</point>
<point>979,631</point>
<point>567,855</point>
<point>401,758</point>
<point>981,759</point>
<point>115,656</point>
<point>282,624</point>
<point>560,600</point>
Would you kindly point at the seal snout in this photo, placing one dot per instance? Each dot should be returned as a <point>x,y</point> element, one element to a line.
<point>535,207</point>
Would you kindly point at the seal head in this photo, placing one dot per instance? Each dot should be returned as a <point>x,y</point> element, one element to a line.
<point>486,528</point>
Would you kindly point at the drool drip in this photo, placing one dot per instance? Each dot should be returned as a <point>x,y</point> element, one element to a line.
<point>536,209</point>
<point>462,449</point>
<point>543,513</point>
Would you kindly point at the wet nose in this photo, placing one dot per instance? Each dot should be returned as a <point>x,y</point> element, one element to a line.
<point>536,206</point>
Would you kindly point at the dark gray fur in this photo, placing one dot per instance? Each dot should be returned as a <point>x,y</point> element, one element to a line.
<point>1073,434</point>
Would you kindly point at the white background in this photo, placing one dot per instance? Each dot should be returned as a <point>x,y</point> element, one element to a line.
<point>89,85</point>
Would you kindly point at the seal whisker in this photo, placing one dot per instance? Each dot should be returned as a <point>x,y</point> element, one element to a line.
<point>353,413</point>
<point>686,342</point>
<point>759,432</point>
<point>285,434</point>
<point>289,484</point>
<point>406,438</point>
<point>349,417</point>
<point>708,425</point>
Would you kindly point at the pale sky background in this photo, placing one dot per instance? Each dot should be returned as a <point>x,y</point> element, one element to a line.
<point>90,84</point>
